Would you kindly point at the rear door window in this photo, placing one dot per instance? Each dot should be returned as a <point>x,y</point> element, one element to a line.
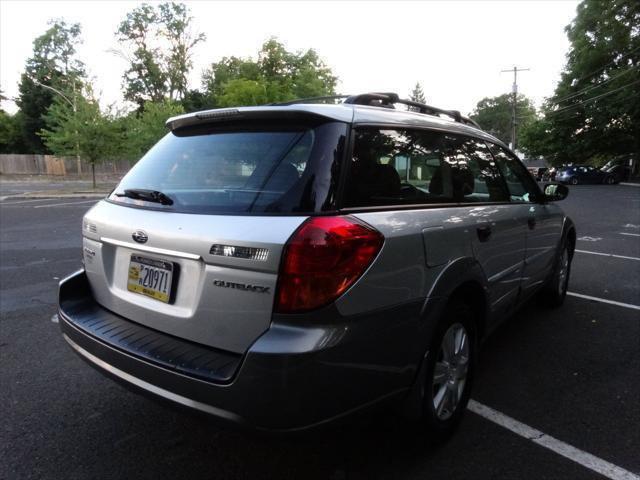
<point>476,176</point>
<point>413,167</point>
<point>398,167</point>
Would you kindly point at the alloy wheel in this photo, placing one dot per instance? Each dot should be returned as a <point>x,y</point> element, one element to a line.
<point>563,271</point>
<point>450,371</point>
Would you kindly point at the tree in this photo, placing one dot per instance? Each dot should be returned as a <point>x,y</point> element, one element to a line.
<point>159,44</point>
<point>594,113</point>
<point>87,130</point>
<point>10,130</point>
<point>52,64</point>
<point>11,140</point>
<point>244,92</point>
<point>195,100</point>
<point>142,131</point>
<point>277,75</point>
<point>417,95</point>
<point>493,114</point>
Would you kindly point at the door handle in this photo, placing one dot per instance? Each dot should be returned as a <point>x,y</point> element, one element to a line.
<point>484,233</point>
<point>531,222</point>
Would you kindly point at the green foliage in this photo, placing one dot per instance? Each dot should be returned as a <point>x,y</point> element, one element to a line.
<point>11,140</point>
<point>87,131</point>
<point>417,94</point>
<point>493,114</point>
<point>244,92</point>
<point>52,64</point>
<point>595,110</point>
<point>159,45</point>
<point>195,100</point>
<point>277,75</point>
<point>142,131</point>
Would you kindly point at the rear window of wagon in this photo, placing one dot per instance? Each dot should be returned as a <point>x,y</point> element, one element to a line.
<point>245,168</point>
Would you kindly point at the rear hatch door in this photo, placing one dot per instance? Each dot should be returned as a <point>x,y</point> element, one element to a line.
<point>189,243</point>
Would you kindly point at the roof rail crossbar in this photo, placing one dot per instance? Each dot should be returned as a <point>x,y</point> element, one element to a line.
<point>307,100</point>
<point>375,99</point>
<point>388,99</point>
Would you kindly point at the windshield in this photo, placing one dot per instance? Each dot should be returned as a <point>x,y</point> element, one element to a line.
<point>244,169</point>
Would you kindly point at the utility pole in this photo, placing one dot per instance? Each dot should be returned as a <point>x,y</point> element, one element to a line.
<point>514,93</point>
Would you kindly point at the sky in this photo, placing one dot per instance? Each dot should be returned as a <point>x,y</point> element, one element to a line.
<point>455,49</point>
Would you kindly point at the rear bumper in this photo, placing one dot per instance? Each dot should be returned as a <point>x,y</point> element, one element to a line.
<point>303,372</point>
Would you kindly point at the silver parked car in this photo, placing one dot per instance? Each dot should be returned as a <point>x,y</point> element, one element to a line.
<point>281,267</point>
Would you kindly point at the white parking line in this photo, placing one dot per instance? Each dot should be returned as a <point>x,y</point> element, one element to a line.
<point>9,203</point>
<point>607,255</point>
<point>68,203</point>
<point>574,454</point>
<point>630,234</point>
<point>604,300</point>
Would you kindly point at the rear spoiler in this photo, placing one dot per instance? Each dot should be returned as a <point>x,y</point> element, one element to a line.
<point>254,113</point>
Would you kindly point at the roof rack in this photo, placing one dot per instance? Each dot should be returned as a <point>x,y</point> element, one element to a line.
<point>308,100</point>
<point>387,100</point>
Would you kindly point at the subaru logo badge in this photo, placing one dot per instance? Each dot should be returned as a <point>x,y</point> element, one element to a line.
<point>140,236</point>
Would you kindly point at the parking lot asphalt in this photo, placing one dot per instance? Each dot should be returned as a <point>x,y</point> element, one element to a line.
<point>572,374</point>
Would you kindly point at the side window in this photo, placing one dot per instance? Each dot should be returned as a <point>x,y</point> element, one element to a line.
<point>476,177</point>
<point>522,187</point>
<point>398,167</point>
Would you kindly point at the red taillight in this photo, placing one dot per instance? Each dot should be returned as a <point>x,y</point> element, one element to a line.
<point>322,259</point>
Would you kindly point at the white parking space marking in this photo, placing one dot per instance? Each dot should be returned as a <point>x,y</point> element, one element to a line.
<point>604,300</point>
<point>630,234</point>
<point>574,454</point>
<point>9,203</point>
<point>607,255</point>
<point>68,203</point>
<point>590,239</point>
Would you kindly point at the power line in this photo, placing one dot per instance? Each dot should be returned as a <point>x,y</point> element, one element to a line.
<point>592,99</point>
<point>514,92</point>
<point>586,89</point>
<point>601,69</point>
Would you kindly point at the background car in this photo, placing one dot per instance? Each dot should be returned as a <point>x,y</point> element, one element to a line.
<point>618,168</point>
<point>585,174</point>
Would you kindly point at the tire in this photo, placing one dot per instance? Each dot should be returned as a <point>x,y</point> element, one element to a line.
<point>448,377</point>
<point>573,180</point>
<point>555,291</point>
<point>610,180</point>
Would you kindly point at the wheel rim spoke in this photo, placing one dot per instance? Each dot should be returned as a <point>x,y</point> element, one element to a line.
<point>439,374</point>
<point>439,400</point>
<point>448,346</point>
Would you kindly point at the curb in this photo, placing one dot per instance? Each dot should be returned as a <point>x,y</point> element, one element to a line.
<point>627,184</point>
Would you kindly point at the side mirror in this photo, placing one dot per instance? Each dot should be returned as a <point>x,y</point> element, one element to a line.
<point>554,192</point>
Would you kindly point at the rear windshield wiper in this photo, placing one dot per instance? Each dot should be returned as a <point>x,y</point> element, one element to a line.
<point>146,195</point>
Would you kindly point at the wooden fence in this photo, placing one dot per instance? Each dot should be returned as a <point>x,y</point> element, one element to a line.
<point>18,164</point>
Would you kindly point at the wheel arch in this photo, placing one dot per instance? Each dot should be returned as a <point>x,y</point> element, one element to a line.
<point>461,278</point>
<point>464,278</point>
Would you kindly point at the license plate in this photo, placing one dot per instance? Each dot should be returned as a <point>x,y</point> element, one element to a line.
<point>150,277</point>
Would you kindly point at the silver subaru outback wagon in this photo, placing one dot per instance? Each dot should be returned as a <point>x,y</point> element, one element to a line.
<point>282,267</point>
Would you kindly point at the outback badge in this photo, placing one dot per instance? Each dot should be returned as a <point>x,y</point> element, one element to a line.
<point>241,286</point>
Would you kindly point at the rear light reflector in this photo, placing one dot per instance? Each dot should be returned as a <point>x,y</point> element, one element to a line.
<point>322,259</point>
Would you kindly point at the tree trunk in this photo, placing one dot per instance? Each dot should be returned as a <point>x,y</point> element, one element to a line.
<point>93,174</point>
